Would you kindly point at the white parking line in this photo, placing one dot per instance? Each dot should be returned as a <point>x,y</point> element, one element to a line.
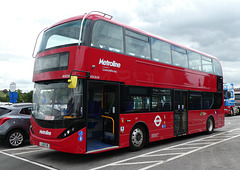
<point>187,153</point>
<point>159,162</point>
<point>21,148</point>
<point>183,148</point>
<point>138,163</point>
<point>26,160</point>
<point>27,152</point>
<point>167,154</point>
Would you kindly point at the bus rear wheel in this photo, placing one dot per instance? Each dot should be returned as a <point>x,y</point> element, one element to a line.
<point>210,125</point>
<point>137,138</point>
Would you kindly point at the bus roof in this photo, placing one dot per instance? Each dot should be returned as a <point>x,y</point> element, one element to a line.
<point>101,17</point>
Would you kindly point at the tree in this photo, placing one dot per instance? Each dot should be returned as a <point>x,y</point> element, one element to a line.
<point>5,91</point>
<point>24,97</point>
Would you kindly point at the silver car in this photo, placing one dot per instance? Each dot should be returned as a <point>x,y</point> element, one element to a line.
<point>14,123</point>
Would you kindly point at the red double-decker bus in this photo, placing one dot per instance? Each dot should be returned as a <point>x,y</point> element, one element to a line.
<point>102,85</point>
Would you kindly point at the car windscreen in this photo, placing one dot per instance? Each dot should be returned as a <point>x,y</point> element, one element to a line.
<point>4,111</point>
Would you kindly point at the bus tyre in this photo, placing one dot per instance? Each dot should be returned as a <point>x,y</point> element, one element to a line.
<point>210,125</point>
<point>137,138</point>
<point>15,138</point>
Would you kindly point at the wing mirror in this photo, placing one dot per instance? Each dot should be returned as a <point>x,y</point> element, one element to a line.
<point>72,82</point>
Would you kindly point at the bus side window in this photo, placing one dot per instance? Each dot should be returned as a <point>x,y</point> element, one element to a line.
<point>194,61</point>
<point>161,100</point>
<point>137,45</point>
<point>207,64</point>
<point>107,36</point>
<point>161,51</point>
<point>179,57</point>
<point>195,101</point>
<point>217,68</point>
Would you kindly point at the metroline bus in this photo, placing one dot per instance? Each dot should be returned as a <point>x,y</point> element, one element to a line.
<point>102,85</point>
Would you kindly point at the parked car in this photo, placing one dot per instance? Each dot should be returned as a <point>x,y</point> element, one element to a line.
<point>14,123</point>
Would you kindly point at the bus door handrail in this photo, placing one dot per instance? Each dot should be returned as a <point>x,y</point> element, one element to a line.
<point>111,119</point>
<point>85,16</point>
<point>87,73</point>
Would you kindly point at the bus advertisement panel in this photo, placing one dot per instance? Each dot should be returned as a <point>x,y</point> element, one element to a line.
<point>102,85</point>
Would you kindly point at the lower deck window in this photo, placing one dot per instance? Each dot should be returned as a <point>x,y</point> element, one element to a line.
<point>139,99</point>
<point>147,99</point>
<point>204,100</point>
<point>138,104</point>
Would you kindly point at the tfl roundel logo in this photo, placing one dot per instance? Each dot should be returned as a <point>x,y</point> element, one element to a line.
<point>157,120</point>
<point>80,136</point>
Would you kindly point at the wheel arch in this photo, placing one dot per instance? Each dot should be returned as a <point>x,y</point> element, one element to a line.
<point>26,134</point>
<point>144,125</point>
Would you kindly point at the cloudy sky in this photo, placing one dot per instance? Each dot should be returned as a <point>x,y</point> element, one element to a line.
<point>211,26</point>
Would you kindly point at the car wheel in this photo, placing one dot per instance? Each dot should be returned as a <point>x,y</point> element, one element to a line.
<point>16,138</point>
<point>137,138</point>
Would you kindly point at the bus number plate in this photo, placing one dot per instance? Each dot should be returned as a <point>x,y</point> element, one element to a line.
<point>45,145</point>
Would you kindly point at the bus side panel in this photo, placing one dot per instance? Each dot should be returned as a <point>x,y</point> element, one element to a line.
<point>219,118</point>
<point>197,119</point>
<point>159,125</point>
<point>106,65</point>
<point>173,76</point>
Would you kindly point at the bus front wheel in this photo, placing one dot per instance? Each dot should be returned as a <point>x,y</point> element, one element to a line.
<point>137,138</point>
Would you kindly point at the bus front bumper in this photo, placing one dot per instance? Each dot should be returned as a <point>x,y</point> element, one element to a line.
<point>75,143</point>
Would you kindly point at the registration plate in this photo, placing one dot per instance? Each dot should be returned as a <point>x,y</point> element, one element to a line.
<point>45,145</point>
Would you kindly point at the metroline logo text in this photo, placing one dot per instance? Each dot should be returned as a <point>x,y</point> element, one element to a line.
<point>109,63</point>
<point>45,132</point>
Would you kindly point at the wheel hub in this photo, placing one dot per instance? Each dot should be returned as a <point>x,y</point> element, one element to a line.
<point>137,137</point>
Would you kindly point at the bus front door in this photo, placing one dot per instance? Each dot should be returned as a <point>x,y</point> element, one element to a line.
<point>102,116</point>
<point>180,113</point>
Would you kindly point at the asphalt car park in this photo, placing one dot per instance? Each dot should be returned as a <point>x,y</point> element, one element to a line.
<point>219,150</point>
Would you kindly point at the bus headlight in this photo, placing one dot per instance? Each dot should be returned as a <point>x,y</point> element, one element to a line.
<point>71,130</point>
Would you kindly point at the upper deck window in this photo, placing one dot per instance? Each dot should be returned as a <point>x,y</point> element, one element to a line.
<point>194,61</point>
<point>161,51</point>
<point>207,64</point>
<point>137,45</point>
<point>179,57</point>
<point>64,34</point>
<point>107,36</point>
<point>111,37</point>
<point>136,35</point>
<point>217,68</point>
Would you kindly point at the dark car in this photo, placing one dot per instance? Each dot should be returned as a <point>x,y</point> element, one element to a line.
<point>14,123</point>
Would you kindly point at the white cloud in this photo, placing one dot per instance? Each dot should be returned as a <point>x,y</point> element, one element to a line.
<point>208,26</point>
